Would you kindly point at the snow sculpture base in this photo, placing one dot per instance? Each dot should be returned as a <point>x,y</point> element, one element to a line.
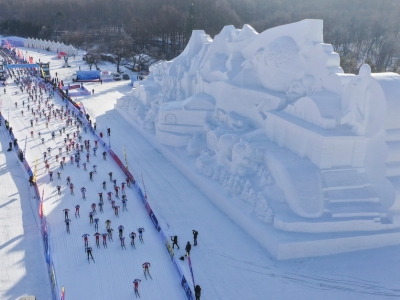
<point>296,245</point>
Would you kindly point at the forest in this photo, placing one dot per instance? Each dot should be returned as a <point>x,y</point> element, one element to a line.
<point>360,30</point>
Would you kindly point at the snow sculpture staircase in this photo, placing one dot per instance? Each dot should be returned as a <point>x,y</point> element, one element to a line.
<point>348,195</point>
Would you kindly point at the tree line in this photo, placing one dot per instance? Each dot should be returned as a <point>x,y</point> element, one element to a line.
<point>360,30</point>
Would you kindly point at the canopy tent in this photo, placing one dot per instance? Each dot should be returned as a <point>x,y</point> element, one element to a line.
<point>72,51</point>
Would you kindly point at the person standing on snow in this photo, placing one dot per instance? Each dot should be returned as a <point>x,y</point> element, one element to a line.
<point>188,248</point>
<point>83,191</point>
<point>195,234</point>
<point>197,292</point>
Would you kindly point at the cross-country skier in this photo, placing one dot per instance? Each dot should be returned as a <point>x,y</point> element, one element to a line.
<point>141,230</point>
<point>91,175</point>
<point>128,182</point>
<point>91,218</point>
<point>97,235</point>
<point>101,197</point>
<point>85,239</point>
<point>146,270</point>
<point>109,194</point>
<point>84,166</point>
<point>123,188</point>
<point>67,221</point>
<point>124,200</point>
<point>104,235</point>
<point>116,210</point>
<point>93,206</point>
<point>116,189</point>
<point>59,189</point>
<point>68,180</point>
<point>104,185</point>
<point>113,203</point>
<point>77,211</point>
<point>110,174</point>
<point>87,157</point>
<point>71,188</point>
<point>108,224</point>
<point>96,223</point>
<point>66,210</point>
<point>136,287</point>
<point>88,250</point>
<point>51,175</point>
<point>101,206</point>
<point>105,155</point>
<point>120,230</point>
<point>109,232</point>
<point>95,169</point>
<point>59,175</point>
<point>83,191</point>
<point>122,240</point>
<point>132,235</point>
<point>174,240</point>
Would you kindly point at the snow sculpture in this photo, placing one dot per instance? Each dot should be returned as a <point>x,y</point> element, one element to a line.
<point>277,123</point>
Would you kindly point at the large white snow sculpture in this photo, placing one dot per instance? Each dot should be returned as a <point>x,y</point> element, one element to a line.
<point>273,119</point>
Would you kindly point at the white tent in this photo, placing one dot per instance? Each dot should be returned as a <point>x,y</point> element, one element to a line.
<point>72,50</point>
<point>64,48</point>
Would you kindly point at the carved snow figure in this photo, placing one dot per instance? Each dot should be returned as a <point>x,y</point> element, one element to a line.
<point>242,163</point>
<point>225,146</point>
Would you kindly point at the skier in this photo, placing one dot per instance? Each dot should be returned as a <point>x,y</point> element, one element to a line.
<point>110,174</point>
<point>132,235</point>
<point>101,197</point>
<point>87,157</point>
<point>51,175</point>
<point>116,210</point>
<point>120,230</point>
<point>84,166</point>
<point>93,206</point>
<point>101,207</point>
<point>94,169</point>
<point>105,155</point>
<point>141,230</point>
<point>59,189</point>
<point>123,188</point>
<point>128,182</point>
<point>96,223</point>
<point>104,235</point>
<point>136,287</point>
<point>67,221</point>
<point>146,270</point>
<point>109,194</point>
<point>88,250</point>
<point>188,248</point>
<point>77,211</point>
<point>122,239</point>
<point>68,180</point>
<point>94,151</point>
<point>59,175</point>
<point>195,233</point>
<point>85,239</point>
<point>108,223</point>
<point>97,235</point>
<point>116,189</point>
<point>197,292</point>
<point>91,175</point>
<point>124,203</point>
<point>66,210</point>
<point>83,191</point>
<point>104,185</point>
<point>109,232</point>
<point>91,218</point>
<point>174,240</point>
<point>71,187</point>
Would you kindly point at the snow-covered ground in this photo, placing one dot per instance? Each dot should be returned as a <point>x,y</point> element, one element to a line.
<point>227,263</point>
